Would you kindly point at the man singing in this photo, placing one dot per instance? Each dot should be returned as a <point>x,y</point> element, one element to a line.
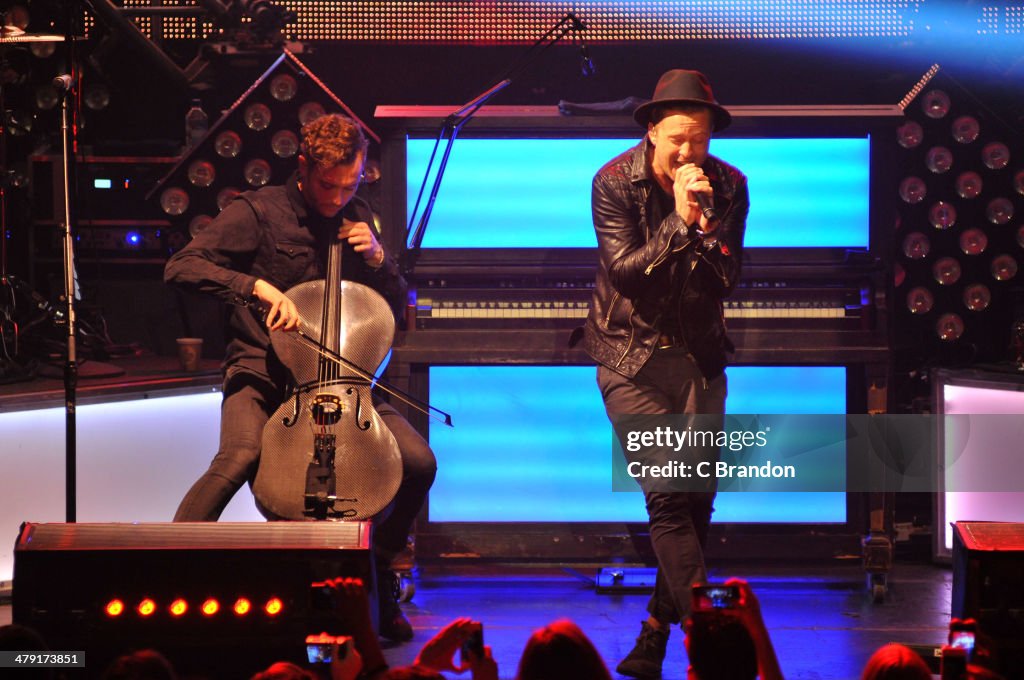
<point>670,220</point>
<point>260,245</point>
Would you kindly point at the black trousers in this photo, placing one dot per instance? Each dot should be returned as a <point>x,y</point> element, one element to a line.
<point>670,383</point>
<point>248,404</point>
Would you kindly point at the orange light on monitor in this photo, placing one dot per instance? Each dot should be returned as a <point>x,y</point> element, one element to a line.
<point>242,606</point>
<point>146,608</point>
<point>114,608</point>
<point>273,606</point>
<point>179,607</point>
<point>210,607</point>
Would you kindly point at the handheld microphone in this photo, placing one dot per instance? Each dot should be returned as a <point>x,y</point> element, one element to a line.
<point>707,207</point>
<point>62,82</point>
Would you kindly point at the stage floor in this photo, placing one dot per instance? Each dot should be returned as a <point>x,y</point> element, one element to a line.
<point>823,625</point>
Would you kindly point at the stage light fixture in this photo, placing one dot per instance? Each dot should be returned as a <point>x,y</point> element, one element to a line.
<point>210,606</point>
<point>46,97</point>
<point>999,210</point>
<point>178,608</point>
<point>949,327</point>
<point>242,606</point>
<point>97,97</point>
<point>969,185</point>
<point>916,246</point>
<point>977,297</point>
<point>910,134</point>
<point>146,607</point>
<point>973,242</point>
<point>196,224</point>
<point>228,144</point>
<point>995,156</point>
<point>114,608</point>
<point>274,606</point>
<point>966,129</point>
<point>942,215</point>
<point>935,104</point>
<point>913,189</point>
<point>939,159</point>
<point>1003,268</point>
<point>946,271</point>
<point>252,145</point>
<point>920,300</point>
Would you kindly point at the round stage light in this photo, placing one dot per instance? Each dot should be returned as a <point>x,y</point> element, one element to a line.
<point>968,184</point>
<point>179,607</point>
<point>257,172</point>
<point>257,117</point>
<point>1003,268</point>
<point>225,196</point>
<point>42,50</point>
<point>283,88</point>
<point>942,215</point>
<point>920,300</point>
<point>916,246</point>
<point>114,608</point>
<point>274,606</point>
<point>949,327</point>
<point>939,159</point>
<point>242,606</point>
<point>935,104</point>
<point>912,190</point>
<point>977,297</point>
<point>999,211</point>
<point>210,606</point>
<point>910,134</point>
<point>147,607</point>
<point>966,129</point>
<point>284,144</point>
<point>46,97</point>
<point>973,242</point>
<point>201,173</point>
<point>946,271</point>
<point>174,201</point>
<point>995,156</point>
<point>309,112</point>
<point>97,97</point>
<point>228,144</point>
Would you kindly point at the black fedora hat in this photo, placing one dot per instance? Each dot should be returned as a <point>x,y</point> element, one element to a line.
<point>680,86</point>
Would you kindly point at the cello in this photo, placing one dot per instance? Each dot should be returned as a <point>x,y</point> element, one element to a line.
<point>327,453</point>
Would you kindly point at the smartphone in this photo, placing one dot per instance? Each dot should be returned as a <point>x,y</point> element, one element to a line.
<point>711,597</point>
<point>954,663</point>
<point>473,646</point>
<point>321,648</point>
<point>963,639</point>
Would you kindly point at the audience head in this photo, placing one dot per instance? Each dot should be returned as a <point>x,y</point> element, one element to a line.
<point>896,662</point>
<point>720,648</point>
<point>561,650</point>
<point>145,664</point>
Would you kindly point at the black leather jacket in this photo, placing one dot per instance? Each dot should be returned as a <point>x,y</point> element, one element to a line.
<point>653,268</point>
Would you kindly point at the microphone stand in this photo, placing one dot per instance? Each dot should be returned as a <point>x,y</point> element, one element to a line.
<point>71,365</point>
<point>454,123</point>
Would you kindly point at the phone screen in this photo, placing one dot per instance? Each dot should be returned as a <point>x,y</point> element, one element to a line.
<point>319,653</point>
<point>473,647</point>
<point>964,639</point>
<point>715,597</point>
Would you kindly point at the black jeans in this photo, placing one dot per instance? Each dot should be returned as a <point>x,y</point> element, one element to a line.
<point>248,404</point>
<point>670,383</point>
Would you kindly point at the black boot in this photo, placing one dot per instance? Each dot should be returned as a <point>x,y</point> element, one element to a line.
<point>393,624</point>
<point>648,654</point>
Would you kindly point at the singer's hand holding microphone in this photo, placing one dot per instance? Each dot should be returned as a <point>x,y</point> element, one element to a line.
<point>695,198</point>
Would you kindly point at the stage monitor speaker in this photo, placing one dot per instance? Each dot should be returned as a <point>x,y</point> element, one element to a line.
<point>988,564</point>
<point>218,599</point>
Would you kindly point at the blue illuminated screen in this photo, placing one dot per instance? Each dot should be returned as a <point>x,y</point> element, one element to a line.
<point>535,193</point>
<point>533,444</point>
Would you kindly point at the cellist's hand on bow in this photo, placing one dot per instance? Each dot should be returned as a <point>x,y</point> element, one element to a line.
<point>363,240</point>
<point>282,314</point>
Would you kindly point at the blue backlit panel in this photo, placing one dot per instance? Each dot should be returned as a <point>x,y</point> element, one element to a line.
<point>533,444</point>
<point>535,193</point>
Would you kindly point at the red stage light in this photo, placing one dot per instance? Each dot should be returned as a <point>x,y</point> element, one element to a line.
<point>114,608</point>
<point>179,607</point>
<point>146,607</point>
<point>210,607</point>
<point>274,606</point>
<point>242,606</point>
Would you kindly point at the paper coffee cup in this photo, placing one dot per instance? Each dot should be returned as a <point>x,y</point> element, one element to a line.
<point>189,351</point>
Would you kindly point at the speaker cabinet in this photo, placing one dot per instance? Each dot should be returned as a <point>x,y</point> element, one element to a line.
<point>182,589</point>
<point>988,584</point>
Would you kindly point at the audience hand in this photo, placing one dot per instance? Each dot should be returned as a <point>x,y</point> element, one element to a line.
<point>439,651</point>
